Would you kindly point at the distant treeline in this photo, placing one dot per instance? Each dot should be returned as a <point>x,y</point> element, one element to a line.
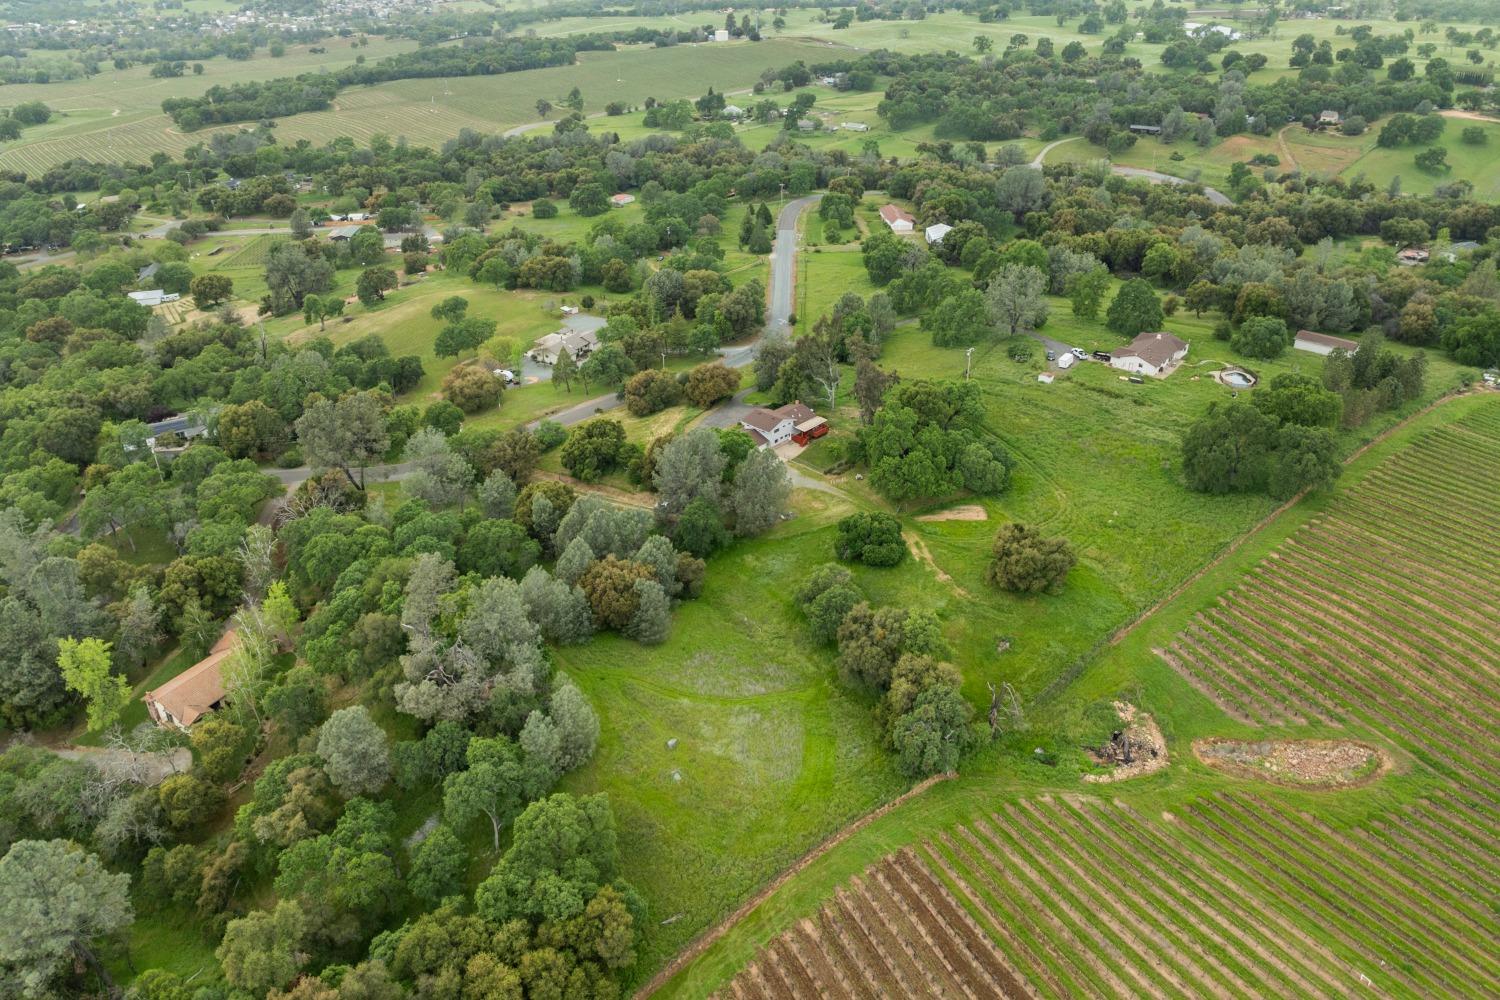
<point>315,91</point>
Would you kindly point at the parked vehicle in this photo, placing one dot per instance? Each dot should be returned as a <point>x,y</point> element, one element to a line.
<point>1080,354</point>
<point>1102,356</point>
<point>1051,355</point>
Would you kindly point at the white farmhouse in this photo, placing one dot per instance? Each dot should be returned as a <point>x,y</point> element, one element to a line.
<point>899,220</point>
<point>1154,354</point>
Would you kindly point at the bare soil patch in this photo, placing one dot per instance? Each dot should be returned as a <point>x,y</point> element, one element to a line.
<point>1296,763</point>
<point>1136,749</point>
<point>967,512</point>
<point>922,553</point>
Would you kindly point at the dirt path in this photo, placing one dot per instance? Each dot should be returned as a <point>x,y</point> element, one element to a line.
<point>1264,522</point>
<point>611,493</point>
<point>922,553</point>
<point>1468,116</point>
<point>707,938</point>
<point>1288,161</point>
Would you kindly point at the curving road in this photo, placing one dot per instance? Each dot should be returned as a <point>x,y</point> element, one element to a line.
<point>1139,173</point>
<point>1157,177</point>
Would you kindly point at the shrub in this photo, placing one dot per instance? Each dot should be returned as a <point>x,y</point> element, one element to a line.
<point>873,539</point>
<point>1025,562</point>
<point>1260,337</point>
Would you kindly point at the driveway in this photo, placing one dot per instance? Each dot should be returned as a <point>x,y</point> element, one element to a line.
<point>1154,176</point>
<point>1157,177</point>
<point>577,323</point>
<point>783,291</point>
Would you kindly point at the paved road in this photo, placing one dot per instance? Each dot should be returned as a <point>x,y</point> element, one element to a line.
<point>783,290</point>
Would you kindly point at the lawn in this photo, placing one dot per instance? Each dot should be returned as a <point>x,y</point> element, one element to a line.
<point>772,754</point>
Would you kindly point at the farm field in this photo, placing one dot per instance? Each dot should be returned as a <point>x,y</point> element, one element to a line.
<point>423,111</point>
<point>1190,881</point>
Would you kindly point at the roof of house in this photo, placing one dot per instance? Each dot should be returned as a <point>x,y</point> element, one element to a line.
<point>147,271</point>
<point>1329,116</point>
<point>343,232</point>
<point>762,419</point>
<point>566,337</point>
<point>622,198</point>
<point>1156,349</point>
<point>891,213</point>
<point>177,424</point>
<point>197,689</point>
<point>937,231</point>
<point>1342,343</point>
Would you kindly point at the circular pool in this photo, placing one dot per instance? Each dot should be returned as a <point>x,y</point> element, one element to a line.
<point>1237,379</point>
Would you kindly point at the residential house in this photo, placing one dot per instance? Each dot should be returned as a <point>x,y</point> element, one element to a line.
<point>899,220</point>
<point>340,234</point>
<point>733,111</point>
<point>190,695</point>
<point>578,343</point>
<point>621,200</point>
<point>1146,129</point>
<point>769,428</point>
<point>1412,256</point>
<point>154,297</point>
<point>1330,119</point>
<point>1154,354</point>
<point>807,125</point>
<point>1322,343</point>
<point>721,35</point>
<point>935,232</point>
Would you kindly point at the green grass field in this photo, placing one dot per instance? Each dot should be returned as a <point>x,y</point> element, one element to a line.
<point>1209,885</point>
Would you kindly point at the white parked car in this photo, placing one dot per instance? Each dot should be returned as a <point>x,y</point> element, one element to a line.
<point>1080,354</point>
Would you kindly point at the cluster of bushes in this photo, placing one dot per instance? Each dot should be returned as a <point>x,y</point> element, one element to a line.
<point>897,655</point>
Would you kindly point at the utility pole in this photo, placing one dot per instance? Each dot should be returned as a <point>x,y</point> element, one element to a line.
<point>663,360</point>
<point>968,362</point>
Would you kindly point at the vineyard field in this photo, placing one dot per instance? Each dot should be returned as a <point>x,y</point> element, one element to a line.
<point>1369,620</point>
<point>1232,896</point>
<point>128,126</point>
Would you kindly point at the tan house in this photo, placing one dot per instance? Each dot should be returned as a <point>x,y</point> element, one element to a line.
<point>579,344</point>
<point>199,689</point>
<point>1322,343</point>
<point>1154,354</point>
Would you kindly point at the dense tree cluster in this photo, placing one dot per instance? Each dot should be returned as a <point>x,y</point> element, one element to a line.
<point>896,654</point>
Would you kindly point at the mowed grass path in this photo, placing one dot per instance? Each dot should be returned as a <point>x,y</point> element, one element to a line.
<point>1191,882</point>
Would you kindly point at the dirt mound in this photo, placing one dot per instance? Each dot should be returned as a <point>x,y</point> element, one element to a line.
<point>1297,763</point>
<point>1137,749</point>
<point>968,512</point>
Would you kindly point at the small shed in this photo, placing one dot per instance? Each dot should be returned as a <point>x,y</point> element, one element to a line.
<point>1322,343</point>
<point>937,231</point>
